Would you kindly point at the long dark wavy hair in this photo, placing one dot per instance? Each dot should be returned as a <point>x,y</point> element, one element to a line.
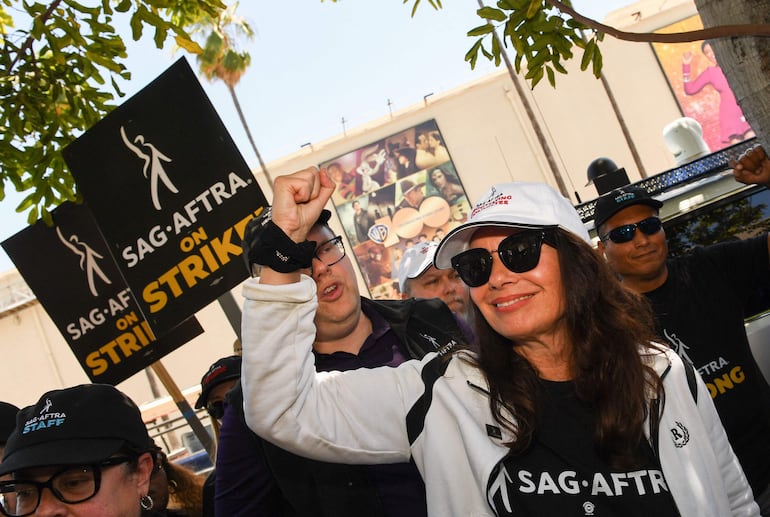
<point>607,324</point>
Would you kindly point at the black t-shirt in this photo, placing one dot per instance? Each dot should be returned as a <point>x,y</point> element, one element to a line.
<point>561,473</point>
<point>699,311</point>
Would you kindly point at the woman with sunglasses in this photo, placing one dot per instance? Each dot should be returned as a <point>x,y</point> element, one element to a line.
<point>568,408</point>
<point>81,452</point>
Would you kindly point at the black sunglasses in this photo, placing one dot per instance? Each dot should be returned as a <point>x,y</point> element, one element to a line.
<point>216,409</point>
<point>625,233</point>
<point>519,252</point>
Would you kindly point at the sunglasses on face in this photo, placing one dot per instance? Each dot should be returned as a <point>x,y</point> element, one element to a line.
<point>216,409</point>
<point>625,233</point>
<point>519,253</point>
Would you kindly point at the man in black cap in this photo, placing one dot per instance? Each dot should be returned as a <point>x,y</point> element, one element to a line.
<point>78,451</point>
<point>699,302</point>
<point>215,383</point>
<point>218,380</point>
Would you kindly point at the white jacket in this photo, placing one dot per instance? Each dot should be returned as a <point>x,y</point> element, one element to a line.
<point>364,417</point>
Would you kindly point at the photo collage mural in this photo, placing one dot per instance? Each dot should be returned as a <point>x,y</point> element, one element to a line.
<point>394,193</point>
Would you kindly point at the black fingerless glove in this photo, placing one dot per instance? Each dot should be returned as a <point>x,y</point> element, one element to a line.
<point>265,244</point>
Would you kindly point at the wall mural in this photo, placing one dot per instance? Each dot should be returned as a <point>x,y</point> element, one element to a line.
<point>700,87</point>
<point>394,193</point>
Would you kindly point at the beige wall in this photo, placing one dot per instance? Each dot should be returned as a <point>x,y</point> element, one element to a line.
<point>36,358</point>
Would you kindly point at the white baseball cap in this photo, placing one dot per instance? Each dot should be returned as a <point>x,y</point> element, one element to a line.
<point>416,261</point>
<point>513,205</point>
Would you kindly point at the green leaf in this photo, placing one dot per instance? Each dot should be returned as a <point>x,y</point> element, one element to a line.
<point>46,217</point>
<point>473,53</point>
<point>136,26</point>
<point>481,30</point>
<point>574,24</point>
<point>517,62</point>
<point>536,77</point>
<point>189,45</point>
<point>535,7</point>
<point>496,50</point>
<point>28,202</point>
<point>539,59</point>
<point>598,62</point>
<point>518,46</point>
<point>32,216</point>
<point>588,54</point>
<point>414,8</point>
<point>490,13</point>
<point>486,53</point>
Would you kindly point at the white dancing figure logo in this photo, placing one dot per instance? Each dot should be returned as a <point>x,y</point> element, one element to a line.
<point>153,163</point>
<point>88,257</point>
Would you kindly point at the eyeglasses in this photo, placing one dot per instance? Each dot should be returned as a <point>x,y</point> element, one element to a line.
<point>625,233</point>
<point>71,485</point>
<point>216,409</point>
<point>330,252</point>
<point>519,253</point>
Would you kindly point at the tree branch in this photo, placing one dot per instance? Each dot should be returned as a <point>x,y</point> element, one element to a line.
<point>719,31</point>
<point>31,39</point>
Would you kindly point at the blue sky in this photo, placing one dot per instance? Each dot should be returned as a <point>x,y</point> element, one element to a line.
<point>315,62</point>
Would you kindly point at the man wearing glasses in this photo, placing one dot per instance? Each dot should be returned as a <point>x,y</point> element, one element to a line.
<point>699,300</point>
<point>255,477</point>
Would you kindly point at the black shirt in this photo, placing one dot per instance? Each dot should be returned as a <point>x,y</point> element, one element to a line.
<point>562,474</point>
<point>699,312</point>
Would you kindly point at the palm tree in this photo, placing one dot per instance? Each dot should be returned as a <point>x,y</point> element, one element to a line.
<point>221,59</point>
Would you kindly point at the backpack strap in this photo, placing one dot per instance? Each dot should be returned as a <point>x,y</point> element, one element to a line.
<point>692,383</point>
<point>415,418</point>
<point>422,325</point>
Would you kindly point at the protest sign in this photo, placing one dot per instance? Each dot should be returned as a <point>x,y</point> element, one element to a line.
<point>171,195</point>
<point>73,276</point>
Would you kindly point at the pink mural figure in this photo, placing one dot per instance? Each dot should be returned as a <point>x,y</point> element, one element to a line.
<point>733,127</point>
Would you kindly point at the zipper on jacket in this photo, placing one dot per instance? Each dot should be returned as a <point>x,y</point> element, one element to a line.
<point>477,388</point>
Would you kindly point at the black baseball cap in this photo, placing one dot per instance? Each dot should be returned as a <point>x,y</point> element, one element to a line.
<point>84,424</point>
<point>7,420</point>
<point>222,370</point>
<point>613,202</point>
